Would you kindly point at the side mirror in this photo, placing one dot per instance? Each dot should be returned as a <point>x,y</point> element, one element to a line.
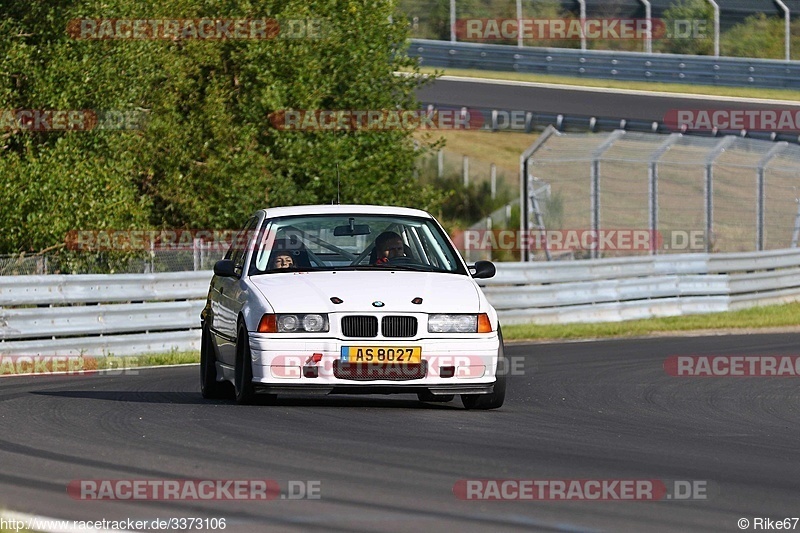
<point>225,268</point>
<point>483,269</point>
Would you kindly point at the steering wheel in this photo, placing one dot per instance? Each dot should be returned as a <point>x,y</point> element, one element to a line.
<point>402,260</point>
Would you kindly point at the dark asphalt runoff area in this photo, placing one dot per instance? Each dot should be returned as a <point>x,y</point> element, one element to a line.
<point>586,101</point>
<point>602,410</point>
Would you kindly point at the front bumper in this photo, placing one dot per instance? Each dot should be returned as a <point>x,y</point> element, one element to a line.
<point>451,366</point>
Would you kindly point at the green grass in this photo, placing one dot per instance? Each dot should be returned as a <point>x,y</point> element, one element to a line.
<point>774,316</point>
<point>709,90</point>
<point>156,359</point>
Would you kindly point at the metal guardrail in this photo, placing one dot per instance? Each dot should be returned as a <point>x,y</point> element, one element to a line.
<point>629,66</point>
<point>84,314</point>
<point>123,314</point>
<point>642,287</point>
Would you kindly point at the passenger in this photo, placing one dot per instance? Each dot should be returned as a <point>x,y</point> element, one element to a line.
<point>281,260</point>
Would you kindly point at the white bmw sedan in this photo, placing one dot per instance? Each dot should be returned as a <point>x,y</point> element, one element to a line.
<point>351,299</point>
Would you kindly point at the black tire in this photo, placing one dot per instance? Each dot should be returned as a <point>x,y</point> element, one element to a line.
<point>210,388</point>
<point>243,374</point>
<point>496,398</point>
<point>426,396</point>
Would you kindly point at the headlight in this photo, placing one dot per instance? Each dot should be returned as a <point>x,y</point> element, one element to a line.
<point>459,323</point>
<point>314,323</point>
<point>452,323</point>
<point>300,323</point>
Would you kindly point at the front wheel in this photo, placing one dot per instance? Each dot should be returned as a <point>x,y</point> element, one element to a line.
<point>496,398</point>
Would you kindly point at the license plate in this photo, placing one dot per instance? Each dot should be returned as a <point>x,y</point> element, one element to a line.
<point>381,354</point>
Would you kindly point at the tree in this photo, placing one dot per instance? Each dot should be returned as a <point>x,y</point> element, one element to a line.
<point>207,156</point>
<point>680,39</point>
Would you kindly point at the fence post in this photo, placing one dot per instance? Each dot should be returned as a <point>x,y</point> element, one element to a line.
<point>595,185</point>
<point>465,170</point>
<point>716,26</point>
<point>648,35</point>
<point>196,243</point>
<point>493,178</point>
<point>760,186</point>
<point>652,174</point>
<point>788,30</point>
<point>524,193</point>
<point>452,21</point>
<point>709,187</point>
<point>440,163</point>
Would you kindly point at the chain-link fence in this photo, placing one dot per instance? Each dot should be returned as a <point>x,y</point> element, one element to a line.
<point>201,257</point>
<point>625,193</point>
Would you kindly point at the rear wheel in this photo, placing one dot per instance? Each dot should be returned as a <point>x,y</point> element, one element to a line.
<point>210,388</point>
<point>243,374</point>
<point>496,398</point>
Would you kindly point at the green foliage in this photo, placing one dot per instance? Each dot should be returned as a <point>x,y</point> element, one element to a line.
<point>460,206</point>
<point>760,36</point>
<point>688,10</point>
<point>207,157</point>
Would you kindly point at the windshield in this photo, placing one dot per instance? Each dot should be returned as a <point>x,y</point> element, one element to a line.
<point>350,242</point>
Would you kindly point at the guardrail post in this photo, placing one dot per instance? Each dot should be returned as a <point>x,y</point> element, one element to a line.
<point>762,165</point>
<point>595,184</point>
<point>709,186</point>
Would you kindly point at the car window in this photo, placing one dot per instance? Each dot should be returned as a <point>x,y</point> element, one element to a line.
<point>238,250</point>
<point>346,242</point>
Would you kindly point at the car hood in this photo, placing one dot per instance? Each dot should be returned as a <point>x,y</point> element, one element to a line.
<point>308,292</point>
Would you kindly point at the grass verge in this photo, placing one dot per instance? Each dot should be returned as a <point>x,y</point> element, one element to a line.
<point>746,320</point>
<point>706,90</point>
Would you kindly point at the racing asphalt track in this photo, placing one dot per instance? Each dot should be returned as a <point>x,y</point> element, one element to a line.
<point>585,101</point>
<point>587,410</point>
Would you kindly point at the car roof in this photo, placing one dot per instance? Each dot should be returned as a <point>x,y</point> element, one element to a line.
<point>272,212</point>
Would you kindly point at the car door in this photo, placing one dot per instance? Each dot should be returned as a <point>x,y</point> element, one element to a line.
<point>228,295</point>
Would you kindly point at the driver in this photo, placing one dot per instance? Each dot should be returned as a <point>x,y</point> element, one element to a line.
<point>388,245</point>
